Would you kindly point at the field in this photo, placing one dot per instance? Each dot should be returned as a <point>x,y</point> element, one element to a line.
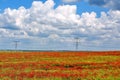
<point>59,65</point>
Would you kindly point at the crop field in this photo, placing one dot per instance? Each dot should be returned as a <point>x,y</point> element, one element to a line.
<point>59,65</point>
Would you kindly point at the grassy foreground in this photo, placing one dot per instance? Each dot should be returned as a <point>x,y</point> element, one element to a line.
<point>60,65</point>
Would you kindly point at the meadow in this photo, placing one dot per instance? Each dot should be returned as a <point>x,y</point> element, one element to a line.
<point>20,65</point>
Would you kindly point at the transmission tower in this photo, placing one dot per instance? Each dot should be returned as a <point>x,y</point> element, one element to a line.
<point>16,44</point>
<point>76,43</point>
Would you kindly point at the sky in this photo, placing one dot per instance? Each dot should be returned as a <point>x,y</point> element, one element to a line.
<point>60,24</point>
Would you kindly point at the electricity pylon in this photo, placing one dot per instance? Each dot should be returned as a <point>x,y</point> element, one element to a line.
<point>16,44</point>
<point>76,43</point>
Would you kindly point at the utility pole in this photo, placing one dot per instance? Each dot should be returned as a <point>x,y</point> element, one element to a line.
<point>16,44</point>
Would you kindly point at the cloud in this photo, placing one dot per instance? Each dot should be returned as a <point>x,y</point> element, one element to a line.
<point>97,2</point>
<point>70,1</point>
<point>112,4</point>
<point>61,24</point>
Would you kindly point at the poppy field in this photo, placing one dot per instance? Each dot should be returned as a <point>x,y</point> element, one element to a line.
<point>63,65</point>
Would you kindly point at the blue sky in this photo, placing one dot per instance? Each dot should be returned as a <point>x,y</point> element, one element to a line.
<point>54,24</point>
<point>82,6</point>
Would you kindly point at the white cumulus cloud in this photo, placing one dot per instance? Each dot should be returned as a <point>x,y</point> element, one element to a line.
<point>42,20</point>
